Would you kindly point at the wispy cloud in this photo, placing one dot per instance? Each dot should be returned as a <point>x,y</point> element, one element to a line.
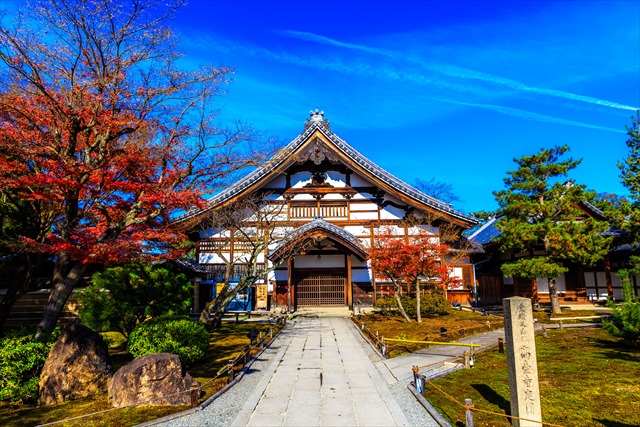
<point>458,72</point>
<point>530,115</point>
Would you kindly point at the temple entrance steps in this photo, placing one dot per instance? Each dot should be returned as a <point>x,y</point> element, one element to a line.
<point>323,312</point>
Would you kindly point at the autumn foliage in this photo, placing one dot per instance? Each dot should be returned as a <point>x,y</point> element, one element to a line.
<point>411,261</point>
<point>103,136</point>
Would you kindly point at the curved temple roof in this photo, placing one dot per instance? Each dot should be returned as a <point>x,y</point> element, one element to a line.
<point>329,230</point>
<point>317,123</point>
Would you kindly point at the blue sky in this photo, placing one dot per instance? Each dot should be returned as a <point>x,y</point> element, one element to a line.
<point>453,90</point>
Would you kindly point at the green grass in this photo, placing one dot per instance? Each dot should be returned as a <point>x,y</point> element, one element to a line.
<point>586,379</point>
<point>226,343</point>
<point>459,324</point>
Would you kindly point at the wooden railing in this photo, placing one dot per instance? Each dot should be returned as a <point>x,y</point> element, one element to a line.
<point>326,211</point>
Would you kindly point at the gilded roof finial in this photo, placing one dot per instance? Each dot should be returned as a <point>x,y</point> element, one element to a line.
<point>316,117</point>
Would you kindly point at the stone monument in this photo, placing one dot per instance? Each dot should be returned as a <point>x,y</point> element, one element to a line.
<point>522,362</point>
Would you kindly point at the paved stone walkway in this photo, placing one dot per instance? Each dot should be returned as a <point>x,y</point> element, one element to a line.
<point>321,376</point>
<point>399,368</point>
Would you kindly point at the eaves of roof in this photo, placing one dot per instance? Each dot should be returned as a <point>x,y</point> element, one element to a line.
<point>320,224</point>
<point>349,152</point>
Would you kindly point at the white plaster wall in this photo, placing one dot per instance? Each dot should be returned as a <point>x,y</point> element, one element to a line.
<point>303,196</point>
<point>312,261</point>
<point>391,212</point>
<point>358,207</point>
<point>211,232</point>
<point>360,196</point>
<point>333,196</point>
<point>364,215</point>
<point>208,258</point>
<point>357,230</point>
<point>359,181</point>
<point>543,284</point>
<point>300,179</point>
<point>336,179</point>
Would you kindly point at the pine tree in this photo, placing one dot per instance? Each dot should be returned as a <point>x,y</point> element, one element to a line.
<point>630,174</point>
<point>541,214</point>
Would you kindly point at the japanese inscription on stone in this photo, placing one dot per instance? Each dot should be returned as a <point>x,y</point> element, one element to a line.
<point>522,362</point>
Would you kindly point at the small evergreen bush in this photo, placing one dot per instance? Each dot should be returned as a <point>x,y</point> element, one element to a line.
<point>179,335</point>
<point>121,298</point>
<point>21,361</point>
<point>431,304</point>
<point>625,322</point>
<point>386,305</point>
<point>434,304</point>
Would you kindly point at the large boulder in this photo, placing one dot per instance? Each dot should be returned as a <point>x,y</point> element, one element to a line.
<point>154,379</point>
<point>78,365</point>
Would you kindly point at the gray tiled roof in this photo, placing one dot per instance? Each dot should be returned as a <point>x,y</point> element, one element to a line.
<point>323,126</point>
<point>318,223</point>
<point>485,233</point>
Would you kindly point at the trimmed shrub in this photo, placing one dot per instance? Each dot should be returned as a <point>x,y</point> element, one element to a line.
<point>179,335</point>
<point>625,322</point>
<point>431,304</point>
<point>21,361</point>
<point>386,305</point>
<point>434,304</point>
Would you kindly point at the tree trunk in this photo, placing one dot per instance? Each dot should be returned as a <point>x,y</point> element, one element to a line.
<point>58,298</point>
<point>419,316</point>
<point>400,306</point>
<point>553,296</point>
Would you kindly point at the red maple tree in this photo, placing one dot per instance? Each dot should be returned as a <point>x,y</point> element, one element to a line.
<point>412,260</point>
<point>106,135</point>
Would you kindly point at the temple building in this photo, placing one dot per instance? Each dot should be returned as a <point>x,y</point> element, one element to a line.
<point>324,204</point>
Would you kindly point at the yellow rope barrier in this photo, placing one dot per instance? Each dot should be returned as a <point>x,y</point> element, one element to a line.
<point>473,408</point>
<point>433,342</point>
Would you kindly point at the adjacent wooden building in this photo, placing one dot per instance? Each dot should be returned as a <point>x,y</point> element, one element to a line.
<point>327,193</point>
<point>579,285</point>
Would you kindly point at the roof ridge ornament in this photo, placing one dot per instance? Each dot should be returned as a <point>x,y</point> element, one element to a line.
<point>316,116</point>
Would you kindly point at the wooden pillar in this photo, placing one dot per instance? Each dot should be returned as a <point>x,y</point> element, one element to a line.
<point>373,273</point>
<point>348,285</point>
<point>534,291</point>
<point>196,295</point>
<point>607,275</point>
<point>289,283</point>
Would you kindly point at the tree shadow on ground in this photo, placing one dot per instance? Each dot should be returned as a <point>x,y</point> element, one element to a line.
<point>610,423</point>
<point>492,397</point>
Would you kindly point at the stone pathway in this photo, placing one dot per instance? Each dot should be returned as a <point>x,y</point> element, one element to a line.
<point>321,376</point>
<point>399,368</point>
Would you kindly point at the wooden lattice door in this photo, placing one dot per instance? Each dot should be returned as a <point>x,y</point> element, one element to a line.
<point>321,290</point>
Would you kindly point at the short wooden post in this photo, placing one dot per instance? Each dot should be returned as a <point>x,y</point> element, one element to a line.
<point>561,325</point>
<point>544,331</point>
<point>466,360</point>
<point>270,332</point>
<point>468,413</point>
<point>195,396</point>
<point>237,314</point>
<point>230,369</point>
<point>247,354</point>
<point>501,345</point>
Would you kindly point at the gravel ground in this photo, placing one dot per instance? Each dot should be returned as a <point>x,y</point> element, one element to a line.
<point>412,409</point>
<point>223,411</point>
